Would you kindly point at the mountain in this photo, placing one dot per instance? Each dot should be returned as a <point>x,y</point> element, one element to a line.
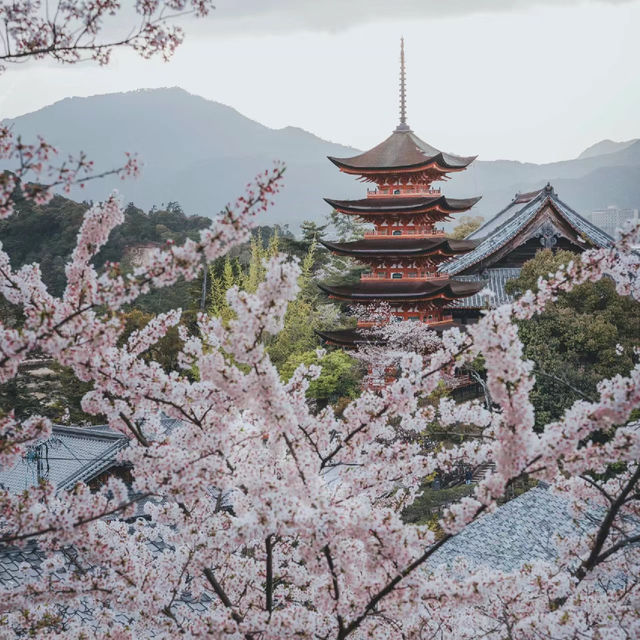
<point>605,146</point>
<point>201,154</point>
<point>584,183</point>
<point>194,151</point>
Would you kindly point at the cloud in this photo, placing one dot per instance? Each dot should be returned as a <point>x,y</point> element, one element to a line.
<point>332,16</point>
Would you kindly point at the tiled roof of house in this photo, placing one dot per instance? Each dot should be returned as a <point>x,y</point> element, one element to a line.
<point>70,455</point>
<point>510,221</point>
<point>519,531</point>
<point>494,280</point>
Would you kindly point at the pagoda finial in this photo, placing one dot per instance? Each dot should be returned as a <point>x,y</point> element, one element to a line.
<point>403,126</point>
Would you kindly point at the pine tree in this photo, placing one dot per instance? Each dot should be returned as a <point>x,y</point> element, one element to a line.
<point>256,266</point>
<point>274,244</point>
<point>218,291</point>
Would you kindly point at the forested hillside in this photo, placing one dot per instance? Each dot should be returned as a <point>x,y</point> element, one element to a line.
<point>47,234</point>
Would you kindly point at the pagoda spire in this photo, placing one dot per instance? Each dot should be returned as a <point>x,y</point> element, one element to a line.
<point>403,126</point>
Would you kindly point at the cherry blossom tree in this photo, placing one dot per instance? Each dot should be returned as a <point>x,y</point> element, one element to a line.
<point>72,30</point>
<point>314,545</point>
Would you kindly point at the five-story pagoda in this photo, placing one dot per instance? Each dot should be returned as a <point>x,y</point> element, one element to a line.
<point>405,248</point>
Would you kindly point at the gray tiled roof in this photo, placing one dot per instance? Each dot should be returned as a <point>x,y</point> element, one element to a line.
<point>494,280</point>
<point>510,221</point>
<point>71,455</point>
<point>517,532</point>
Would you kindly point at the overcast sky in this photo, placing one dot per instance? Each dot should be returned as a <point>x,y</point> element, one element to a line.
<point>535,80</point>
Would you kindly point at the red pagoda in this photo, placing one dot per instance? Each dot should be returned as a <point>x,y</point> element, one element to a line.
<point>405,249</point>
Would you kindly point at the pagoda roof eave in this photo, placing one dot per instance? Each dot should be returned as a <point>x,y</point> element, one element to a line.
<point>403,291</point>
<point>356,337</point>
<point>403,205</point>
<point>349,338</point>
<point>400,247</point>
<point>435,164</point>
<point>403,150</point>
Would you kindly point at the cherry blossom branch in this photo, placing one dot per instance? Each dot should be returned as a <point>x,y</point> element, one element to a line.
<point>29,32</point>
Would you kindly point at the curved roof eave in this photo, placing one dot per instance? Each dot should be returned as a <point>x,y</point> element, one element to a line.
<point>403,204</point>
<point>515,223</point>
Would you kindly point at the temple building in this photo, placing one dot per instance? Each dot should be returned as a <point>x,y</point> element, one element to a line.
<point>405,250</point>
<point>531,221</point>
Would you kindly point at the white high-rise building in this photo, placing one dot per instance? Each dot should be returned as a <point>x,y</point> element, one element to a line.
<point>611,218</point>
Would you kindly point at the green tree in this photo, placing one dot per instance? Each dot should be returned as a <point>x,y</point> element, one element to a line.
<point>298,334</point>
<point>466,225</point>
<point>256,267</point>
<point>588,334</point>
<point>346,227</point>
<point>312,232</point>
<point>340,377</point>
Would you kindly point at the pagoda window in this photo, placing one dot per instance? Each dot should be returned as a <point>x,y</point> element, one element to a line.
<point>412,274</point>
<point>396,276</point>
<point>381,274</point>
<point>397,233</point>
<point>396,192</point>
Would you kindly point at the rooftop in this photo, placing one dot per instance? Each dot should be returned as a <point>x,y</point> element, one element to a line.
<point>508,223</point>
<point>403,205</point>
<point>403,150</point>
<point>355,337</point>
<point>72,454</point>
<point>400,246</point>
<point>405,290</point>
<point>519,531</point>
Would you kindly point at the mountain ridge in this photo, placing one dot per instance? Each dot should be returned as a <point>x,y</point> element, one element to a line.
<point>202,153</point>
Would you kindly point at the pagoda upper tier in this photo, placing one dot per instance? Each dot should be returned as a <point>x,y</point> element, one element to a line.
<point>395,205</point>
<point>435,248</point>
<point>437,291</point>
<point>401,158</point>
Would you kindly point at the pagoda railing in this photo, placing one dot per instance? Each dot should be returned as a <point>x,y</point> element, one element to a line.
<point>374,276</point>
<point>390,193</point>
<point>377,234</point>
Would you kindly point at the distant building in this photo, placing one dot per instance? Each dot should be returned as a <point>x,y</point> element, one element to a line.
<point>139,255</point>
<point>531,221</point>
<point>611,219</point>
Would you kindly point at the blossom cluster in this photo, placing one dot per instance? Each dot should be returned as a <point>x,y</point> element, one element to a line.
<point>313,544</point>
<point>35,177</point>
<point>72,30</point>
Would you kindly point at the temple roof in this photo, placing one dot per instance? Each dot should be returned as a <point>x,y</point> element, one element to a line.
<point>403,150</point>
<point>400,246</point>
<point>349,337</point>
<point>507,224</point>
<point>357,336</point>
<point>494,280</point>
<point>402,205</point>
<point>521,531</point>
<point>409,290</point>
<point>71,454</point>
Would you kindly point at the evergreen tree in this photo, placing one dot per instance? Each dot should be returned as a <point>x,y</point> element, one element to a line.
<point>256,266</point>
<point>312,232</point>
